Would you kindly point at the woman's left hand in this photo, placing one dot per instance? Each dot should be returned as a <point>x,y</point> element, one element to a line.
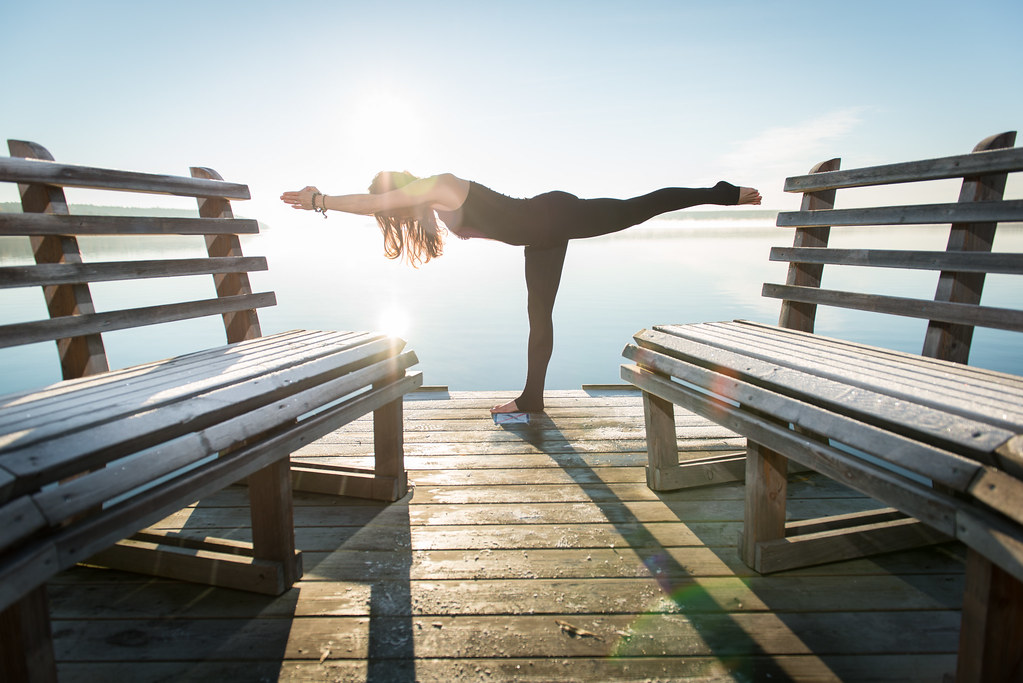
<point>302,199</point>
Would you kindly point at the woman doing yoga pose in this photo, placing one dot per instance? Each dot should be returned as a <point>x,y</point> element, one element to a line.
<point>407,209</point>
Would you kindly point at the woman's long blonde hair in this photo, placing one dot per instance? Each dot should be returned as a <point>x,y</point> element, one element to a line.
<point>413,234</point>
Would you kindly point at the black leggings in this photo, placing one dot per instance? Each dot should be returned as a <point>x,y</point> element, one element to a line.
<point>562,217</point>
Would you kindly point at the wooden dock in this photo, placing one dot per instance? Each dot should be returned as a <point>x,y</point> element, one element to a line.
<point>524,553</point>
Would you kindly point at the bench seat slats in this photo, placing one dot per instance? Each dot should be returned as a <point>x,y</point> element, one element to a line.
<point>950,426</point>
<point>50,412</point>
<point>82,540</point>
<point>37,224</point>
<point>958,261</point>
<point>138,424</point>
<point>95,323</point>
<point>945,386</point>
<point>909,364</point>
<point>923,214</point>
<point>942,311</point>
<point>861,365</point>
<point>65,501</point>
<point>25,398</point>
<point>925,460</point>
<point>974,164</point>
<point>75,273</point>
<point>885,485</point>
<point>976,527</point>
<point>34,171</point>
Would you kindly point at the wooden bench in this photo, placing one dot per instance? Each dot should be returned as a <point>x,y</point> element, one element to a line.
<point>936,440</point>
<point>88,462</point>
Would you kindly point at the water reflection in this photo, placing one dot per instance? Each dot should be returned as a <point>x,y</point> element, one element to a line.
<point>464,314</point>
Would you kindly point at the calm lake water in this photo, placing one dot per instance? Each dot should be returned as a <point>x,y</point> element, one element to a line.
<point>464,314</point>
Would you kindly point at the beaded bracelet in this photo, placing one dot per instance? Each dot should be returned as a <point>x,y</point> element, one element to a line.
<point>323,204</point>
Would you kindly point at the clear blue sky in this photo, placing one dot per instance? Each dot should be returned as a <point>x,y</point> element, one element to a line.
<point>598,98</point>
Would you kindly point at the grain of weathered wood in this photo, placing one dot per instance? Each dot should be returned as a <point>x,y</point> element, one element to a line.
<point>972,393</point>
<point>623,635</point>
<point>83,355</point>
<point>859,421</point>
<point>37,224</point>
<point>952,342</point>
<point>800,315</point>
<point>199,370</point>
<point>76,407</point>
<point>109,321</point>
<point>992,623</point>
<point>963,314</point>
<point>239,324</point>
<point>882,484</point>
<point>73,273</point>
<point>25,646</point>
<point>978,262</point>
<point>449,586</point>
<point>997,161</point>
<point>198,427</point>
<point>82,594</point>
<point>979,383</point>
<point>764,511</point>
<point>69,175</point>
<point>921,214</point>
<point>91,535</point>
<point>880,668</point>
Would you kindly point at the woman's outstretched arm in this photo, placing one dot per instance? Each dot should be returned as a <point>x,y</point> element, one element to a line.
<point>445,192</point>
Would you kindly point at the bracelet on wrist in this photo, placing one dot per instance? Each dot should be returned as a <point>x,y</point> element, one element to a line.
<point>323,204</point>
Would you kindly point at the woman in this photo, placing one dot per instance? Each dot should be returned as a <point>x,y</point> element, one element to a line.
<point>407,209</point>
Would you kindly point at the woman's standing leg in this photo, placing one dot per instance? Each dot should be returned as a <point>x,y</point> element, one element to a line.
<point>543,276</point>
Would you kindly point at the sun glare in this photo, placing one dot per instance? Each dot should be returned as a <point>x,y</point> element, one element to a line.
<point>385,130</point>
<point>394,322</point>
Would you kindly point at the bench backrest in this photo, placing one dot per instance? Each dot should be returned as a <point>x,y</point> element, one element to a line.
<point>59,269</point>
<point>956,308</point>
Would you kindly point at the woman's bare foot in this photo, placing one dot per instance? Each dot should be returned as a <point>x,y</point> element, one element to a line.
<point>748,195</point>
<point>508,407</point>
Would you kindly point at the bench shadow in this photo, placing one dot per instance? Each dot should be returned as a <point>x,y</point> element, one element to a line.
<point>364,554</point>
<point>357,611</point>
<point>733,646</point>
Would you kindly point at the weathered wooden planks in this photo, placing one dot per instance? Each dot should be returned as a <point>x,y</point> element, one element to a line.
<point>973,262</point>
<point>949,312</point>
<point>73,273</point>
<point>94,323</point>
<point>69,175</point>
<point>923,214</point>
<point>995,161</point>
<point>47,224</point>
<point>494,570</point>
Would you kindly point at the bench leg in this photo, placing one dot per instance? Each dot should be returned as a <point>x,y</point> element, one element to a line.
<point>661,441</point>
<point>766,491</point>
<point>992,625</point>
<point>389,448</point>
<point>26,645</point>
<point>273,529</point>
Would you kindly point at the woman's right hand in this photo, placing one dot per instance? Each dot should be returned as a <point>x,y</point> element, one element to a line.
<point>748,195</point>
<point>301,199</point>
